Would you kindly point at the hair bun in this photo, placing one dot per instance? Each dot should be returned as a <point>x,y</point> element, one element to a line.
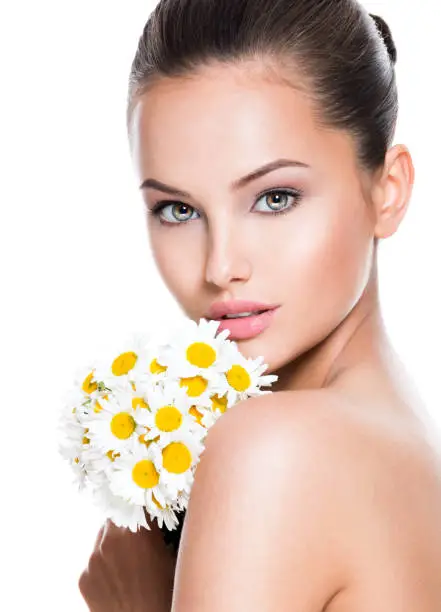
<point>386,36</point>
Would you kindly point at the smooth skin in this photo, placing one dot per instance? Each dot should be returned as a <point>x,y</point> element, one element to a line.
<point>326,494</point>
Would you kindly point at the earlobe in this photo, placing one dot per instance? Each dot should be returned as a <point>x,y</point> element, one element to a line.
<point>394,195</point>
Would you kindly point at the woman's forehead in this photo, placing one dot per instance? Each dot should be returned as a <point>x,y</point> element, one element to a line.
<point>215,114</point>
<point>219,93</point>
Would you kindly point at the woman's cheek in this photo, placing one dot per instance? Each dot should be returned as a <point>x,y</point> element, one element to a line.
<point>179,262</point>
<point>328,262</point>
<point>342,259</point>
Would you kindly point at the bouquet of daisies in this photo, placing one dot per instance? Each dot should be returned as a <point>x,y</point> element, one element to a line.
<point>133,427</point>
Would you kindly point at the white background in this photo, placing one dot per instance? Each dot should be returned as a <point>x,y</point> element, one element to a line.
<point>76,269</point>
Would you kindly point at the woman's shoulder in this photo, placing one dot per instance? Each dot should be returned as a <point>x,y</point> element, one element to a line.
<point>311,495</point>
<point>326,418</point>
<point>374,469</point>
<point>314,496</point>
<point>371,430</point>
<point>263,496</point>
<point>372,460</point>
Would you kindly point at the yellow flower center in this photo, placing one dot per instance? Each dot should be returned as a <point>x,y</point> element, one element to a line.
<point>157,368</point>
<point>144,474</point>
<point>176,458</point>
<point>124,363</point>
<point>155,501</point>
<point>77,459</point>
<point>88,385</point>
<point>139,402</point>
<point>201,354</point>
<point>219,403</point>
<point>122,425</point>
<point>112,455</point>
<point>98,407</point>
<point>197,415</point>
<point>196,385</point>
<point>238,378</point>
<point>168,418</point>
<point>86,440</point>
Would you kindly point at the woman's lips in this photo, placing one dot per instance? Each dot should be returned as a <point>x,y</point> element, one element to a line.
<point>233,307</point>
<point>244,328</point>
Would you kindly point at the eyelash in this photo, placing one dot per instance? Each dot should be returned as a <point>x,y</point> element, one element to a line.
<point>297,194</point>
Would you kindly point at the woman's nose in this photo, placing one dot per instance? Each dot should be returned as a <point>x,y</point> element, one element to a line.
<point>227,260</point>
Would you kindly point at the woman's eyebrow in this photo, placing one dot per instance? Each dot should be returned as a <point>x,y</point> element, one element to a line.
<point>237,184</point>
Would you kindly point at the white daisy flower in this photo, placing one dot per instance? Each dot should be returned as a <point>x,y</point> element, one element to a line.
<point>195,350</point>
<point>180,454</point>
<point>243,378</point>
<point>200,388</point>
<point>138,393</point>
<point>114,427</point>
<point>85,392</point>
<point>134,349</point>
<point>84,380</point>
<point>169,411</point>
<point>136,477</point>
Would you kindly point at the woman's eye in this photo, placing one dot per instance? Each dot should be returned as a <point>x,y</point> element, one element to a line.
<point>173,212</point>
<point>278,200</point>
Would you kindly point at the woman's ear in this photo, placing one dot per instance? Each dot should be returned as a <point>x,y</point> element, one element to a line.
<point>392,192</point>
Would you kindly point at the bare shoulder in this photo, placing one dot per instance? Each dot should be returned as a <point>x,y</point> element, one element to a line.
<point>260,526</point>
<point>378,462</point>
<point>385,470</point>
<point>307,494</point>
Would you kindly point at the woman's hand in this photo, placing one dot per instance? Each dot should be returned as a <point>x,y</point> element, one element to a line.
<point>129,572</point>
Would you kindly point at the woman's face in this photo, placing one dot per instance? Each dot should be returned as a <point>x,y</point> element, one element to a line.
<point>299,236</point>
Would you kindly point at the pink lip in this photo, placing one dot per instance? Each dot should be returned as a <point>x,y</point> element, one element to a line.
<point>220,309</point>
<point>247,327</point>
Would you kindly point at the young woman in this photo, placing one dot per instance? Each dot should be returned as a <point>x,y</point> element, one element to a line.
<point>261,134</point>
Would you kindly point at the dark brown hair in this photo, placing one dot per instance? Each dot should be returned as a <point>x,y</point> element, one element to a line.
<point>337,52</point>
